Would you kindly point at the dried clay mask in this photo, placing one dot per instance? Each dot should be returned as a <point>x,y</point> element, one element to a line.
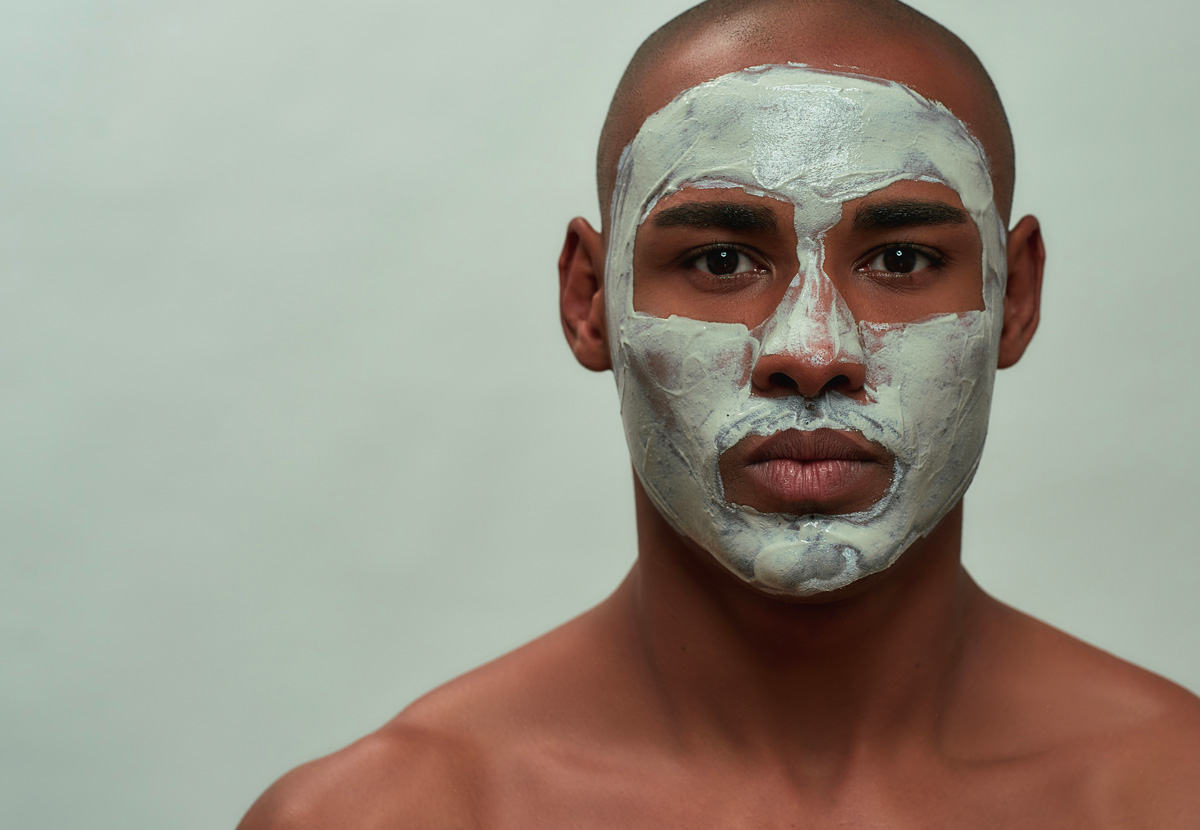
<point>815,140</point>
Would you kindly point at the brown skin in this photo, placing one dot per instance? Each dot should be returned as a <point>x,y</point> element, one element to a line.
<point>689,699</point>
<point>879,38</point>
<point>670,261</point>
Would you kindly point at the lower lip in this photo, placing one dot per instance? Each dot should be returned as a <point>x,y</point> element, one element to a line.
<point>825,486</point>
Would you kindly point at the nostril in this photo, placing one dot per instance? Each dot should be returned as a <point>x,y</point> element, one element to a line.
<point>791,374</point>
<point>781,380</point>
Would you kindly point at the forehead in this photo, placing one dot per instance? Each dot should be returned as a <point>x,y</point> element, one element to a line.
<point>813,137</point>
<point>816,139</point>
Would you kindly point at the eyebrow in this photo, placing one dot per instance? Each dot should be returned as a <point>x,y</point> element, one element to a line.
<point>905,213</point>
<point>731,216</point>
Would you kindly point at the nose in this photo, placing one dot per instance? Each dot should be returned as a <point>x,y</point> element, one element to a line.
<point>811,344</point>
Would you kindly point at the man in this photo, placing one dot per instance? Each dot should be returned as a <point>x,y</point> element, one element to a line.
<point>804,286</point>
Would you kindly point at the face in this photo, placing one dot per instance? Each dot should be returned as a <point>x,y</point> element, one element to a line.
<point>804,280</point>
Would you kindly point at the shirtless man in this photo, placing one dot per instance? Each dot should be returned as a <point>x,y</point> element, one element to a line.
<point>804,287</point>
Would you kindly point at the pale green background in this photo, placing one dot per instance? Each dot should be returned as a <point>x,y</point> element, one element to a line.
<point>288,434</point>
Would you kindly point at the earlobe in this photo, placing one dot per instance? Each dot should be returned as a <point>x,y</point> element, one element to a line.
<point>1023,292</point>
<point>581,295</point>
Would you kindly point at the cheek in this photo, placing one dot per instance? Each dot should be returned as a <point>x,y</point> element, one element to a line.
<point>944,347</point>
<point>679,362</point>
<point>931,381</point>
<point>875,354</point>
<point>681,382</point>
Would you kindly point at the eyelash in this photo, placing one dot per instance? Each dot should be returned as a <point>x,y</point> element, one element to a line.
<point>692,257</point>
<point>936,258</point>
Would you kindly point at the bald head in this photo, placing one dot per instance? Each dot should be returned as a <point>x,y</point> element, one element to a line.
<point>880,38</point>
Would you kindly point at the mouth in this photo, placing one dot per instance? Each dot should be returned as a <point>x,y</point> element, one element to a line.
<point>823,471</point>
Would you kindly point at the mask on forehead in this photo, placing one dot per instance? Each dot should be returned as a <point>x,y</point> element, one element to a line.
<point>815,139</point>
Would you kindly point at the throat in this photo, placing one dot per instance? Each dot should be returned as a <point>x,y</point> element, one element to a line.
<point>870,664</point>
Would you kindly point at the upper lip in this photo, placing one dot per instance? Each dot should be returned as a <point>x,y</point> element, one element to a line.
<point>813,445</point>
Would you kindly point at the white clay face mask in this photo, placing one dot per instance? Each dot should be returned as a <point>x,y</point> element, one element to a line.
<point>816,140</point>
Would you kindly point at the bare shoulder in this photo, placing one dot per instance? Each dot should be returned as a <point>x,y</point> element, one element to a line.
<point>402,776</point>
<point>1148,765</point>
<point>1133,736</point>
<point>436,764</point>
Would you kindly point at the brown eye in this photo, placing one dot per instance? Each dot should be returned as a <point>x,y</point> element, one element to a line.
<point>724,262</point>
<point>900,259</point>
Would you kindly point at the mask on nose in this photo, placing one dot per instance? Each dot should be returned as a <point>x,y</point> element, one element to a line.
<point>817,140</point>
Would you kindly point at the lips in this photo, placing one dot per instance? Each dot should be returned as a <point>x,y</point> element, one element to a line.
<point>801,472</point>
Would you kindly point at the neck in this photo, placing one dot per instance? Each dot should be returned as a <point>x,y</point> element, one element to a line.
<point>871,667</point>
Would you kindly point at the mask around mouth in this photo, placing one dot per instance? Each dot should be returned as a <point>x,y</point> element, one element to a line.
<point>816,140</point>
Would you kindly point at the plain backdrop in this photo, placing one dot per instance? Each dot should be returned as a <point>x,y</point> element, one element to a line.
<point>288,432</point>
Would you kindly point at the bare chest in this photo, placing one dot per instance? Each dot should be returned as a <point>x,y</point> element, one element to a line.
<point>653,794</point>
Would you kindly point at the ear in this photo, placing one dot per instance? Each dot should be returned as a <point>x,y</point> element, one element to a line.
<point>1023,292</point>
<point>581,295</point>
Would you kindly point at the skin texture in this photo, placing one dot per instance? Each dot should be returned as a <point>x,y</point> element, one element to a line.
<point>689,699</point>
<point>917,369</point>
<point>712,39</point>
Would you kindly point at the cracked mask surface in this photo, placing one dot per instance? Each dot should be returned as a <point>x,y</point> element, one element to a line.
<point>815,139</point>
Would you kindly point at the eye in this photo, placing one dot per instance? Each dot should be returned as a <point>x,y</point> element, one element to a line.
<point>901,259</point>
<point>723,261</point>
